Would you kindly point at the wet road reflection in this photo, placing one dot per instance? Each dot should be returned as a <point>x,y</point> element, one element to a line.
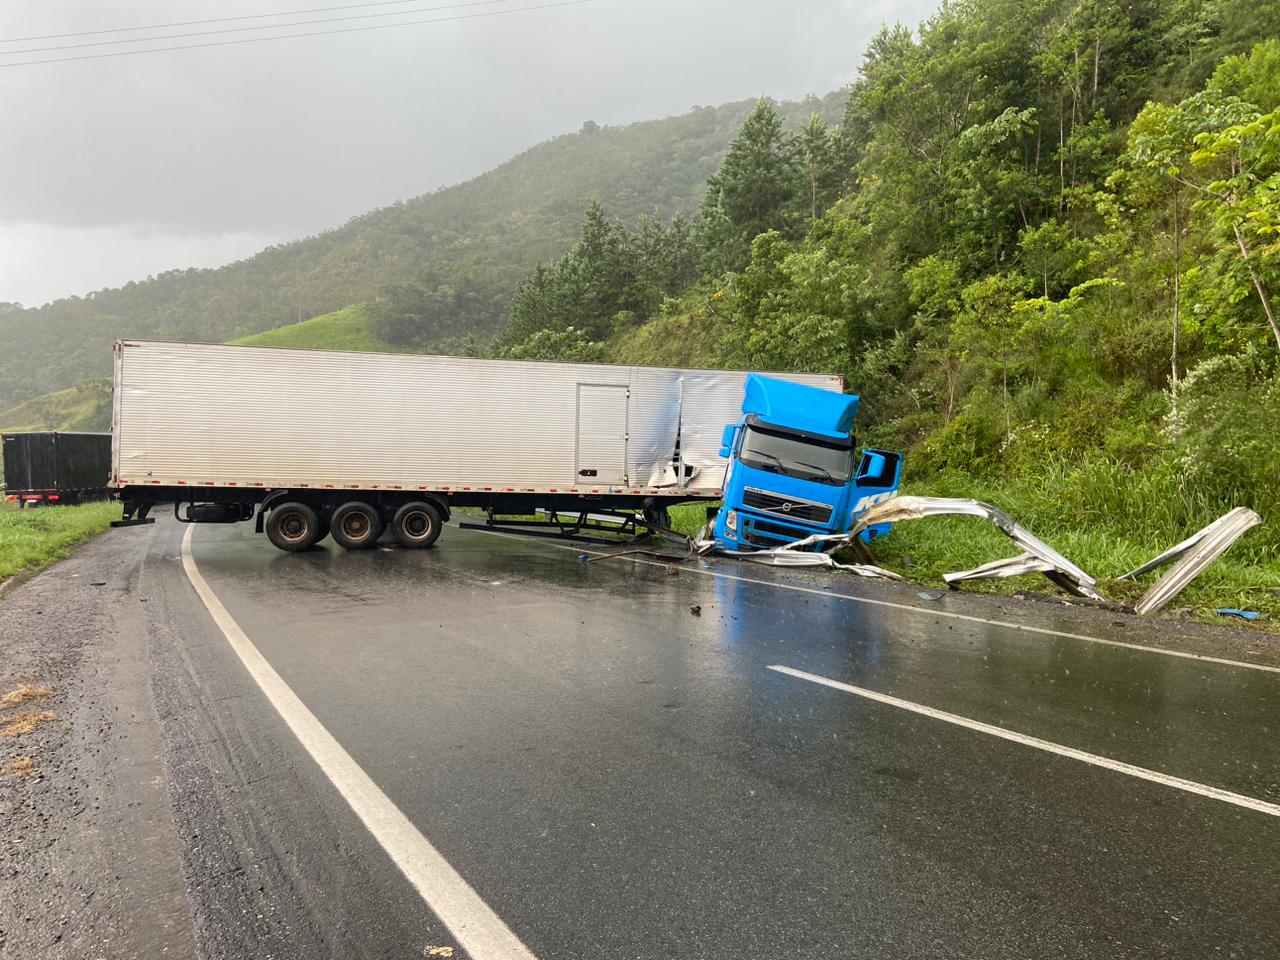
<point>603,740</point>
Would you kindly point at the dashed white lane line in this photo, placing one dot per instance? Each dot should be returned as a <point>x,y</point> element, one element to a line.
<point>950,615</point>
<point>1142,773</point>
<point>479,931</point>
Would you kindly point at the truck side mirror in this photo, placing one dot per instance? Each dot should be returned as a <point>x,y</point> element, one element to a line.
<point>726,440</point>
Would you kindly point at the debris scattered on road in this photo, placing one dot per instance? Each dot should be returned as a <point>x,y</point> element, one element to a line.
<point>98,583</point>
<point>696,609</point>
<point>797,554</point>
<point>27,693</point>
<point>430,951</point>
<point>641,552</point>
<point>926,595</point>
<point>1239,614</point>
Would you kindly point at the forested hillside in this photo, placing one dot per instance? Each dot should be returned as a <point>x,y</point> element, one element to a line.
<point>461,249</point>
<point>1043,243</point>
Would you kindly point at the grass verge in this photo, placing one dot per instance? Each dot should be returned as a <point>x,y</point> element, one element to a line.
<point>34,539</point>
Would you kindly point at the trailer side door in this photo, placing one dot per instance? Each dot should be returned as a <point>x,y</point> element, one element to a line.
<point>602,434</point>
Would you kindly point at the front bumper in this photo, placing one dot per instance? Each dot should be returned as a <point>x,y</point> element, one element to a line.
<point>761,532</point>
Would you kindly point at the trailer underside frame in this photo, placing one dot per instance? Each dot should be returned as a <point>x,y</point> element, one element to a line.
<point>579,517</point>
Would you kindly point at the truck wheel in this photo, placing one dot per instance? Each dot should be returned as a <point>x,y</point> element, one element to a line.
<point>659,516</point>
<point>293,527</point>
<point>356,526</point>
<point>417,525</point>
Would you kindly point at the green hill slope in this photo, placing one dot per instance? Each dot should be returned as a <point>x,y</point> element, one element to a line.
<point>346,329</point>
<point>84,407</point>
<point>481,236</point>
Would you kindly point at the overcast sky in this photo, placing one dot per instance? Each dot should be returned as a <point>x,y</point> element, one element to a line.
<point>114,169</point>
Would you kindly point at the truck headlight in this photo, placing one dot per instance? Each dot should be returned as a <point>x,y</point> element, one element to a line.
<point>731,520</point>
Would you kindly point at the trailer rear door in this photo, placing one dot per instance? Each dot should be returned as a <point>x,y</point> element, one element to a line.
<point>602,434</point>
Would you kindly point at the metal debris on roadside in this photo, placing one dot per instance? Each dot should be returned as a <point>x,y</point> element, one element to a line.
<point>1190,557</point>
<point>796,554</point>
<point>1037,556</point>
<point>1196,553</point>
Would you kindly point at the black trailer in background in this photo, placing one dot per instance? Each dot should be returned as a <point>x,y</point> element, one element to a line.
<point>51,468</point>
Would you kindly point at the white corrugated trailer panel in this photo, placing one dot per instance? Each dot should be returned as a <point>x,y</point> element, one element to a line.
<point>204,414</point>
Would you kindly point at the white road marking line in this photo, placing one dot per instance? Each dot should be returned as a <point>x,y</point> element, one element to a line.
<point>1044,631</point>
<point>1190,786</point>
<point>479,931</point>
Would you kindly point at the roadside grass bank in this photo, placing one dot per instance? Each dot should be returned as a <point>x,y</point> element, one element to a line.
<point>35,539</point>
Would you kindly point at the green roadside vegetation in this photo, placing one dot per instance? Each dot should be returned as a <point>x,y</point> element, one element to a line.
<point>31,540</point>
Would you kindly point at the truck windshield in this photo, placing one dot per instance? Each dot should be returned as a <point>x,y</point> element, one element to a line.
<point>804,459</point>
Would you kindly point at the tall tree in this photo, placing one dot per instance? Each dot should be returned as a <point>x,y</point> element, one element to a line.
<point>752,192</point>
<point>817,156</point>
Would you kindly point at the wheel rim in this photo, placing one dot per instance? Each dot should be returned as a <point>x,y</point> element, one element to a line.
<point>293,527</point>
<point>355,526</point>
<point>417,524</point>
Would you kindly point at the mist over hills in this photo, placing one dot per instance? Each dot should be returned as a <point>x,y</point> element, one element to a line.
<point>480,237</point>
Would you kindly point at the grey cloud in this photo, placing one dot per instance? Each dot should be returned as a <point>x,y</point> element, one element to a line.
<point>289,137</point>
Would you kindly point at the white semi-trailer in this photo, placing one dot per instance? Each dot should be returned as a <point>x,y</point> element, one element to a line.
<point>314,442</point>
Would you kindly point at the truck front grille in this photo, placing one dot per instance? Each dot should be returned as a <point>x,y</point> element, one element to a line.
<point>762,533</point>
<point>790,507</point>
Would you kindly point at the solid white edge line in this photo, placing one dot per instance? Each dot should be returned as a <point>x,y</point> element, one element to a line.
<point>924,611</point>
<point>1142,773</point>
<point>478,930</point>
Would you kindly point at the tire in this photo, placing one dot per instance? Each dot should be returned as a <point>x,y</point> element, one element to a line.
<point>293,527</point>
<point>417,525</point>
<point>658,516</point>
<point>356,525</point>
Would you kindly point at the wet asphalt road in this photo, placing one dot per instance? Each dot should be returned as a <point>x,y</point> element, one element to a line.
<point>619,777</point>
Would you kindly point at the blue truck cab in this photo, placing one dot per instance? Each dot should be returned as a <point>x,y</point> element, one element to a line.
<point>793,468</point>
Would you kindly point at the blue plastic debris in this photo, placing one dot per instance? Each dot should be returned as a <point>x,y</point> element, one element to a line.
<point>1239,614</point>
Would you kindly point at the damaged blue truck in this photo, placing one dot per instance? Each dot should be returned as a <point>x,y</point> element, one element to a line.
<point>794,469</point>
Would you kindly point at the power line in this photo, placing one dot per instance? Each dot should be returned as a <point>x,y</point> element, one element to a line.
<point>270,26</point>
<point>291,36</point>
<point>197,23</point>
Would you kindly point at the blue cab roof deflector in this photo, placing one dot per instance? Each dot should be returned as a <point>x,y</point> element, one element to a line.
<point>799,407</point>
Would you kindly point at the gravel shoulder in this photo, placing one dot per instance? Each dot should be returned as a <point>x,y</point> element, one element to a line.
<point>90,864</point>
